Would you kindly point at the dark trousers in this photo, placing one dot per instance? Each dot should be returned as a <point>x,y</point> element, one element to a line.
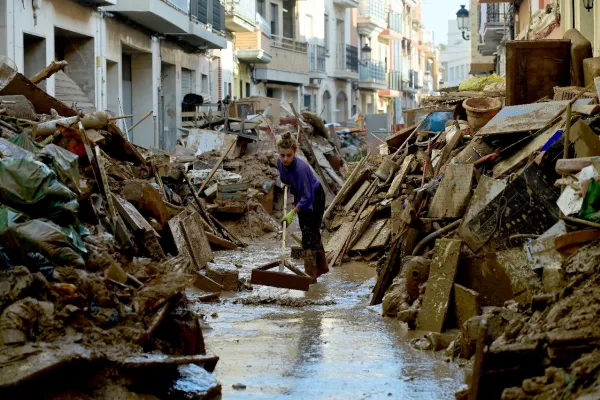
<point>310,222</point>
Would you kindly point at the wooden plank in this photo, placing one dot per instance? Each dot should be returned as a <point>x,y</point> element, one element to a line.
<point>203,282</point>
<point>454,193</point>
<point>132,216</point>
<point>466,304</point>
<point>370,234</point>
<point>359,193</point>
<point>179,236</point>
<point>383,237</point>
<point>439,286</point>
<point>336,242</point>
<point>280,280</point>
<point>394,190</point>
<point>220,242</point>
<point>196,239</point>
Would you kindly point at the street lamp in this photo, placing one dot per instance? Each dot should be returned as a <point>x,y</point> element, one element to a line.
<point>462,19</point>
<point>588,4</point>
<point>365,51</point>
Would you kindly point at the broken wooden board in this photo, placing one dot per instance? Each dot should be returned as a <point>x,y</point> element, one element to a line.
<point>439,286</point>
<point>383,238</point>
<point>361,225</point>
<point>280,280</point>
<point>338,239</point>
<point>526,206</point>
<point>359,193</point>
<point>396,220</point>
<point>525,153</point>
<point>203,282</point>
<point>486,191</point>
<point>217,241</point>
<point>372,232</point>
<point>585,140</point>
<point>523,118</point>
<point>136,221</point>
<point>394,189</point>
<point>454,193</point>
<point>466,304</point>
<point>190,239</point>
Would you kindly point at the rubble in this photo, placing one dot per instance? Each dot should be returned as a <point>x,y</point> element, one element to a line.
<point>493,230</point>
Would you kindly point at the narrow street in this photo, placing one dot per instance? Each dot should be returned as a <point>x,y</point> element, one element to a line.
<point>326,344</point>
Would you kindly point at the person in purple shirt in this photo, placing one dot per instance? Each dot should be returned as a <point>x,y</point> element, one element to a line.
<point>309,204</point>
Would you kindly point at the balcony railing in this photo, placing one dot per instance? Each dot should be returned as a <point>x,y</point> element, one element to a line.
<point>395,21</point>
<point>413,79</point>
<point>199,12</point>
<point>372,8</point>
<point>245,9</point>
<point>372,70</point>
<point>316,58</point>
<point>347,57</point>
<point>289,44</point>
<point>182,5</point>
<point>497,13</point>
<point>394,80</point>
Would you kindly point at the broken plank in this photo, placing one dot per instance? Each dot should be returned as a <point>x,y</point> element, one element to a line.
<point>400,176</point>
<point>280,280</point>
<point>439,286</point>
<point>203,282</point>
<point>338,239</point>
<point>359,193</point>
<point>466,304</point>
<point>217,241</point>
<point>453,195</point>
<point>364,243</point>
<point>196,239</point>
<point>136,222</point>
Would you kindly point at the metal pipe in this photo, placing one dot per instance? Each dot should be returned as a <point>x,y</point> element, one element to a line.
<point>435,235</point>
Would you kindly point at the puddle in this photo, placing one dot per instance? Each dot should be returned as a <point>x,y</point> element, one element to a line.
<point>333,347</point>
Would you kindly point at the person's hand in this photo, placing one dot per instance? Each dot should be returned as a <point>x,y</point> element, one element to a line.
<point>289,218</point>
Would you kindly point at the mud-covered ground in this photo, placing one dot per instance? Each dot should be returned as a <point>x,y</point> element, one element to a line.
<point>324,344</point>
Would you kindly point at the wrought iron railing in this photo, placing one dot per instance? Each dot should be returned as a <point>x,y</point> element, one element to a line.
<point>317,56</point>
<point>182,5</point>
<point>372,70</point>
<point>497,13</point>
<point>289,44</point>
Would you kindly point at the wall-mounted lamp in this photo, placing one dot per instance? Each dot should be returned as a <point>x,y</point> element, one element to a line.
<point>588,4</point>
<point>462,19</point>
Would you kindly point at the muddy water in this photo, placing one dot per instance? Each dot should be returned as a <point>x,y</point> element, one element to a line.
<point>336,347</point>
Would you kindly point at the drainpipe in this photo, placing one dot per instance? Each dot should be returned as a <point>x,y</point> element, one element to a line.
<point>100,62</point>
<point>156,91</point>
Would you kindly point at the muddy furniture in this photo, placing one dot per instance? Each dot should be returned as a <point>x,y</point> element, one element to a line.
<point>264,276</point>
<point>534,67</point>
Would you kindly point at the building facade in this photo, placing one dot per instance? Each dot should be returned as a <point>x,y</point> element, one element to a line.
<point>456,58</point>
<point>333,57</point>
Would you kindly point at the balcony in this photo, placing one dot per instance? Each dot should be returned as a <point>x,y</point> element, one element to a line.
<point>372,75</point>
<point>346,64</point>
<point>394,83</point>
<point>495,26</point>
<point>253,47</point>
<point>289,62</point>
<point>158,15</point>
<point>346,3</point>
<point>240,15</point>
<point>371,17</point>
<point>394,27</point>
<point>411,86</point>
<point>192,21</point>
<point>317,56</point>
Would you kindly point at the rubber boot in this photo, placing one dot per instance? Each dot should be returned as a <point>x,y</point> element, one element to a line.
<point>310,264</point>
<point>322,267</point>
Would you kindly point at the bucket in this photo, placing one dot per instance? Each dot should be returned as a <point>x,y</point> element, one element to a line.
<point>481,110</point>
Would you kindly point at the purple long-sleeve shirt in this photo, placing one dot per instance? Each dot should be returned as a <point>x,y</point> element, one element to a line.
<point>302,181</point>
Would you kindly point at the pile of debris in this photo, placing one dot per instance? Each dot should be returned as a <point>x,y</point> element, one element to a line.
<point>99,240</point>
<point>485,225</point>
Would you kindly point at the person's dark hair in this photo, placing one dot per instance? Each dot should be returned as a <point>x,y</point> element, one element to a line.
<point>287,141</point>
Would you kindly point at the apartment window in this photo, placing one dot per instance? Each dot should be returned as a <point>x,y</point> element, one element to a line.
<point>247,89</point>
<point>229,92</point>
<point>326,32</point>
<point>241,90</point>
<point>307,102</point>
<point>274,19</point>
<point>270,92</point>
<point>260,8</point>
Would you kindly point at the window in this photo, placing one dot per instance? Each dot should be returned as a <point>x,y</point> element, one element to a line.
<point>270,92</point>
<point>326,32</point>
<point>241,90</point>
<point>229,92</point>
<point>309,27</point>
<point>307,102</point>
<point>247,89</point>
<point>260,8</point>
<point>274,19</point>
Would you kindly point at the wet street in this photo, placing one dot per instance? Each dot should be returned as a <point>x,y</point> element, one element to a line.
<point>324,344</point>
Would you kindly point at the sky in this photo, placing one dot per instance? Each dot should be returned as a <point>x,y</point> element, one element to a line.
<point>436,13</point>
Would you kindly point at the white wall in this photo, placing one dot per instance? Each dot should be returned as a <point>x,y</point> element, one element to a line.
<point>457,56</point>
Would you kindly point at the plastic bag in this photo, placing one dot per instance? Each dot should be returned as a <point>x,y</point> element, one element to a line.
<point>44,237</point>
<point>31,187</point>
<point>64,163</point>
<point>590,210</point>
<point>25,141</point>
